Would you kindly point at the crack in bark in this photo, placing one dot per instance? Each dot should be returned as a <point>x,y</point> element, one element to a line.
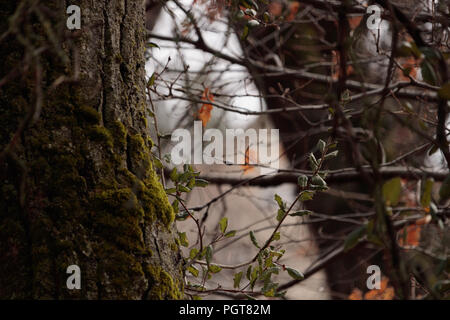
<point>102,109</point>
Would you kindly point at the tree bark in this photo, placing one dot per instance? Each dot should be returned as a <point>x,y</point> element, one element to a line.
<point>77,182</point>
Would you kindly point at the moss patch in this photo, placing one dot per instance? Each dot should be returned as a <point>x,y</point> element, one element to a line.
<point>89,114</point>
<point>119,134</point>
<point>100,134</point>
<point>162,286</point>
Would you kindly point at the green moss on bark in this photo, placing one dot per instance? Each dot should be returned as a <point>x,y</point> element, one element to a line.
<point>89,114</point>
<point>119,134</point>
<point>100,134</point>
<point>163,287</point>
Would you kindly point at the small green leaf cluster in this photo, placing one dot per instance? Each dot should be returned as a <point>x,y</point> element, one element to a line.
<point>183,182</point>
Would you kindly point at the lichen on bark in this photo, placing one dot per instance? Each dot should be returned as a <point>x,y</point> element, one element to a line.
<point>84,169</point>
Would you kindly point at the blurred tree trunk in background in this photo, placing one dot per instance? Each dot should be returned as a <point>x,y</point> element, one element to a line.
<point>77,182</point>
<point>295,130</point>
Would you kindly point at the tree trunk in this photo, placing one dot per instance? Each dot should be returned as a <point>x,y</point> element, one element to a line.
<point>77,183</point>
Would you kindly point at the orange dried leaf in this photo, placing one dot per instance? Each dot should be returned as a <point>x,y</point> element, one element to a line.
<point>384,293</point>
<point>275,9</point>
<point>293,10</point>
<point>412,238</point>
<point>354,21</point>
<point>205,111</point>
<point>250,157</point>
<point>355,295</point>
<point>410,65</point>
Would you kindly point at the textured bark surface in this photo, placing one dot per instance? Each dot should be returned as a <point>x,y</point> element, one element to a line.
<point>78,186</point>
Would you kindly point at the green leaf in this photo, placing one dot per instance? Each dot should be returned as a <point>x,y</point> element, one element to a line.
<point>277,254</point>
<point>321,145</point>
<point>237,279</point>
<point>302,181</point>
<point>254,277</point>
<point>354,237</point>
<point>167,158</point>
<point>279,201</point>
<point>297,275</point>
<point>183,239</point>
<point>427,188</point>
<point>444,191</point>
<point>313,162</point>
<point>253,4</point>
<point>444,91</point>
<point>197,286</point>
<point>201,183</point>
<point>331,155</point>
<point>185,176</point>
<point>171,190</point>
<point>280,215</point>
<point>391,191</point>
<point>332,146</point>
<point>182,188</point>
<point>214,268</point>
<point>223,224</point>
<point>250,12</point>
<point>433,149</point>
<point>252,23</point>
<point>301,213</point>
<point>249,272</point>
<point>158,162</point>
<point>269,271</point>
<point>276,236</point>
<point>373,238</point>
<point>193,270</point>
<point>433,211</point>
<point>193,253</point>
<point>209,253</point>
<point>175,207</point>
<point>151,80</point>
<point>306,195</point>
<point>245,32</point>
<point>253,238</point>
<point>280,294</point>
<point>269,261</point>
<point>152,45</point>
<point>260,261</point>
<point>430,53</point>
<point>230,234</point>
<point>428,73</point>
<point>191,183</point>
<point>318,181</point>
